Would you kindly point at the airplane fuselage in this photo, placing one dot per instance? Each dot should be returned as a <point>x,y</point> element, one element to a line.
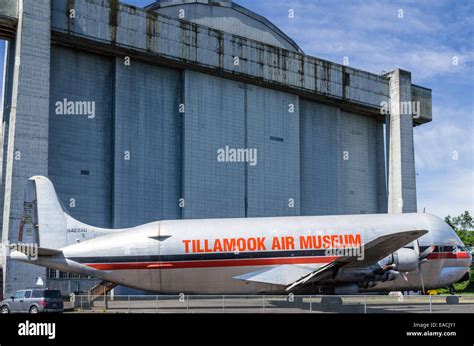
<point>205,256</point>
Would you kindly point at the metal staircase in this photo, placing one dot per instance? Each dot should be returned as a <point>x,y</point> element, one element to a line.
<point>101,289</point>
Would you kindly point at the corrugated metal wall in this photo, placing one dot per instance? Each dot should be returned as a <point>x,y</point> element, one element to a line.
<point>359,164</point>
<point>342,162</point>
<point>133,162</point>
<point>147,161</point>
<point>214,119</point>
<point>222,113</point>
<point>80,149</point>
<point>320,159</point>
<point>274,183</point>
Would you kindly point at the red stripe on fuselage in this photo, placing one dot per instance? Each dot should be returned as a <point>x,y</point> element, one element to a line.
<point>245,262</point>
<point>212,263</point>
<point>450,255</point>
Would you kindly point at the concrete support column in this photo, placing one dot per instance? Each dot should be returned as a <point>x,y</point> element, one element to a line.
<point>5,116</point>
<point>27,151</point>
<point>401,157</point>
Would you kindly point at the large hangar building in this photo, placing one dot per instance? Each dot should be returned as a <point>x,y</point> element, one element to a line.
<point>127,110</point>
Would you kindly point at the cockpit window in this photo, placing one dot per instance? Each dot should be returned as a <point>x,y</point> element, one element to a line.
<point>459,248</point>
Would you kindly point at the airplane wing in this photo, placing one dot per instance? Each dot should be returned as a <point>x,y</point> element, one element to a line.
<point>283,275</point>
<point>373,251</point>
<point>294,276</point>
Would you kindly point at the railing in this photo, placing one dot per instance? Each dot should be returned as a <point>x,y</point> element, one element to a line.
<point>362,304</point>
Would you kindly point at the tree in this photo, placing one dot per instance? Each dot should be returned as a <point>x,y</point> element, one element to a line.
<point>449,220</point>
<point>463,222</point>
<point>464,227</point>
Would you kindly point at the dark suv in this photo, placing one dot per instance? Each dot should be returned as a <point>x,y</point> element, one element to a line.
<point>33,301</point>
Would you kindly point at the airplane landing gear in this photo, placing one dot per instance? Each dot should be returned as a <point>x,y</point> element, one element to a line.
<point>452,299</point>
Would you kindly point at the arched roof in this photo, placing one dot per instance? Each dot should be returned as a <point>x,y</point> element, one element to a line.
<point>227,16</point>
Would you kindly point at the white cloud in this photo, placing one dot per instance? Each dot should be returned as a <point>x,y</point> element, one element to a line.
<point>445,185</point>
<point>437,147</point>
<point>447,196</point>
<point>375,39</point>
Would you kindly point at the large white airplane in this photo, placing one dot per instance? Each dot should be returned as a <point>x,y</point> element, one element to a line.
<point>276,255</point>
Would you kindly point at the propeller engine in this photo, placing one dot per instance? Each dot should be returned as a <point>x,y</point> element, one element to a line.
<point>403,261</point>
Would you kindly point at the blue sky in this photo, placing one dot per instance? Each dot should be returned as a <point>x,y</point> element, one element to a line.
<point>425,41</point>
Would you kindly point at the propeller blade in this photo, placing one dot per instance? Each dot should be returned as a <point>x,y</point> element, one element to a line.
<point>426,252</point>
<point>421,257</point>
<point>421,280</point>
<point>416,247</point>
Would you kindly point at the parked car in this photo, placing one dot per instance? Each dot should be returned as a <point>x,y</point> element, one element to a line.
<point>33,301</point>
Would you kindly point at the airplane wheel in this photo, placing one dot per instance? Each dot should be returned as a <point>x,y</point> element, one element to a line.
<point>5,310</point>
<point>331,303</point>
<point>452,300</point>
<point>34,310</point>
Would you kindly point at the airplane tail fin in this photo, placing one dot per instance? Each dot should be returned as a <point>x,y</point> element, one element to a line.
<point>46,223</point>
